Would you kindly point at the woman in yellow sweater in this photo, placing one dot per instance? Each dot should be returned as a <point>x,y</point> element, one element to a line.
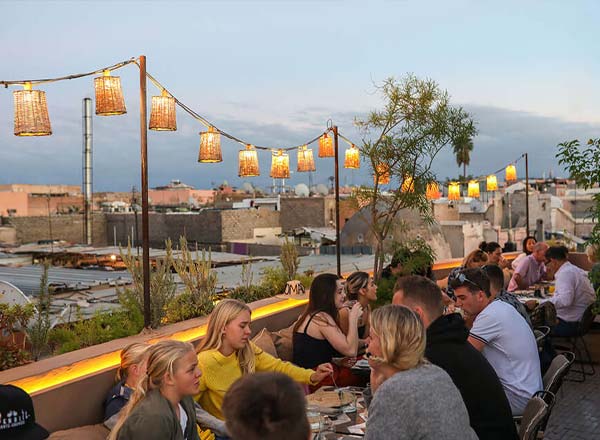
<point>226,354</point>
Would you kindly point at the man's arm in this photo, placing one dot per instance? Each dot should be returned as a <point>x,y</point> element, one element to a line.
<point>477,343</point>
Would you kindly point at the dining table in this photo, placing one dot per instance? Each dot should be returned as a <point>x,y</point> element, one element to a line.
<point>343,424</point>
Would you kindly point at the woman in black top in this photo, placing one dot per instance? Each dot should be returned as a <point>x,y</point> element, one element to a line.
<point>317,335</point>
<point>359,287</point>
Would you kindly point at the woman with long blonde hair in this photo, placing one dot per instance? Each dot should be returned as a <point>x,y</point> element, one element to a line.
<point>408,389</point>
<point>161,406</point>
<point>226,354</point>
<point>131,370</point>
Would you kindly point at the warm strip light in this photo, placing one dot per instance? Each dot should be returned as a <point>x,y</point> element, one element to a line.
<point>59,376</point>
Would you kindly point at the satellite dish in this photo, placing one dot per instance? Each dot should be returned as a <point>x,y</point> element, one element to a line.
<point>11,294</point>
<point>322,189</point>
<point>247,187</point>
<point>301,190</point>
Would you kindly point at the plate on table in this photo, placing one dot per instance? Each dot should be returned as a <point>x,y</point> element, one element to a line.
<point>330,399</point>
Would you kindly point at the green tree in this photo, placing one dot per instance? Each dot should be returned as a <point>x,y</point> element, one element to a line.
<point>402,140</point>
<point>462,147</point>
<point>38,330</point>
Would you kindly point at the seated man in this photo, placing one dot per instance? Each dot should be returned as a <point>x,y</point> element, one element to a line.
<point>496,277</point>
<point>530,270</point>
<point>447,347</point>
<point>266,406</point>
<point>503,337</point>
<point>573,291</point>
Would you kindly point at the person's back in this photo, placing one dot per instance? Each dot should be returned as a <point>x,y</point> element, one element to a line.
<point>489,410</point>
<point>420,403</point>
<point>511,349</point>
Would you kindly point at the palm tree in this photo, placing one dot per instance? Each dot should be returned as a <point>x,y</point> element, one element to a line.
<point>462,147</point>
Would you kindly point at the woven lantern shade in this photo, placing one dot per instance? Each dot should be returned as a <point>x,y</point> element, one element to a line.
<point>162,115</point>
<point>280,165</point>
<point>454,191</point>
<point>382,174</point>
<point>433,191</point>
<point>491,183</point>
<point>352,158</point>
<point>210,146</point>
<point>31,112</point>
<point>408,184</point>
<point>248,162</point>
<point>326,146</point>
<point>511,173</point>
<point>473,189</point>
<point>306,161</point>
<point>109,95</point>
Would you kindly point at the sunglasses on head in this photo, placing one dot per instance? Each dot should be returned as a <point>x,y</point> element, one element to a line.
<point>462,278</point>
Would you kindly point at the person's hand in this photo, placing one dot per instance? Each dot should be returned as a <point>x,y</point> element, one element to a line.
<point>356,312</point>
<point>322,372</point>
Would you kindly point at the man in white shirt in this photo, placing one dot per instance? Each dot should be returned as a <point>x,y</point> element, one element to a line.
<point>573,291</point>
<point>503,337</point>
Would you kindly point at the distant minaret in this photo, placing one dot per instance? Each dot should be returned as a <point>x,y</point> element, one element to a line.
<point>87,171</point>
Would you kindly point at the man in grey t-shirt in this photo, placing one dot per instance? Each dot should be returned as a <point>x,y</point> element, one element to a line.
<point>503,336</point>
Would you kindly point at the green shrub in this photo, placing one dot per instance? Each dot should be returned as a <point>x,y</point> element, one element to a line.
<point>104,326</point>
<point>185,306</point>
<point>273,280</point>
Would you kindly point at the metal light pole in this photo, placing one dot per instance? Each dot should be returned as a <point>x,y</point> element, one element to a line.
<point>527,193</point>
<point>337,204</point>
<point>144,172</point>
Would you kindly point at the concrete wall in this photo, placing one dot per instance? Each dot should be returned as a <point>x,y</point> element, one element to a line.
<point>64,227</point>
<point>8,235</point>
<point>302,211</point>
<point>207,227</point>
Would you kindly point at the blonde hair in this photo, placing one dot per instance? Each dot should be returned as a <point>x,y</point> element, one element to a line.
<point>593,252</point>
<point>477,256</point>
<point>225,312</point>
<point>163,358</point>
<point>133,354</point>
<point>401,335</point>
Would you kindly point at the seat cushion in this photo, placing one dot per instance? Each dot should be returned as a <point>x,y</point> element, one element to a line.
<point>264,341</point>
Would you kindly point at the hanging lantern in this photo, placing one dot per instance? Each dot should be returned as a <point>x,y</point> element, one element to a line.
<point>433,191</point>
<point>454,191</point>
<point>162,115</point>
<point>326,146</point>
<point>109,96</point>
<point>31,112</point>
<point>491,183</point>
<point>382,174</point>
<point>511,173</point>
<point>306,162</point>
<point>210,146</point>
<point>473,189</point>
<point>280,165</point>
<point>408,184</point>
<point>248,162</point>
<point>352,158</point>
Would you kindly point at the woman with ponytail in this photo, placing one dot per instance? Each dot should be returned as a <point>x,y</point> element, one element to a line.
<point>132,368</point>
<point>226,354</point>
<point>161,407</point>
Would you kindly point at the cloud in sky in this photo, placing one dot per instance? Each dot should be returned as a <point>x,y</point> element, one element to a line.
<point>275,72</point>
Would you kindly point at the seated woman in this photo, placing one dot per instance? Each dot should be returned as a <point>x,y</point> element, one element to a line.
<point>528,243</point>
<point>476,258</point>
<point>593,254</point>
<point>359,287</point>
<point>411,397</point>
<point>226,354</point>
<point>161,406</point>
<point>131,370</point>
<point>317,336</point>
<point>494,253</point>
